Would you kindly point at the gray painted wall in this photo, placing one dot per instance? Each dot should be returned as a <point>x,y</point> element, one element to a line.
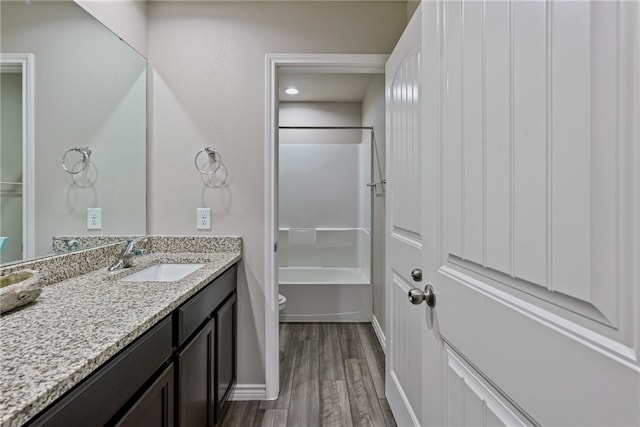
<point>207,72</point>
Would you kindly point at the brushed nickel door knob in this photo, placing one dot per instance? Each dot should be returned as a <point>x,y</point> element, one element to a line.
<point>417,296</point>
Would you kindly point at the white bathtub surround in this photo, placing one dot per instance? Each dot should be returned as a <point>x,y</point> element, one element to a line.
<point>334,247</point>
<point>318,185</point>
<point>330,294</point>
<point>323,194</point>
<point>322,275</point>
<point>328,281</point>
<point>302,237</point>
<point>363,250</point>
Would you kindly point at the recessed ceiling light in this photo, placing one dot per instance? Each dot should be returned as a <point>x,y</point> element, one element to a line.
<point>292,91</point>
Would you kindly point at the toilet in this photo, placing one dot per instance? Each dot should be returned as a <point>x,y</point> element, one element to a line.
<point>282,302</point>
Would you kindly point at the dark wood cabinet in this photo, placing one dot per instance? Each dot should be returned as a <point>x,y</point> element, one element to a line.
<point>195,372</point>
<point>206,364</point>
<point>225,360</point>
<point>155,407</point>
<point>179,373</point>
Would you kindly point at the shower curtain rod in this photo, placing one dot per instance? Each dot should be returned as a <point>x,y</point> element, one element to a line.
<point>326,127</point>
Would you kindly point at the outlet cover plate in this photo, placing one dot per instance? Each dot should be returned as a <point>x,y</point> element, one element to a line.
<point>203,220</point>
<point>94,218</point>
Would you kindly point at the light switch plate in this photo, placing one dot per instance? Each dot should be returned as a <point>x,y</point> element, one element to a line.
<point>94,218</point>
<point>203,220</point>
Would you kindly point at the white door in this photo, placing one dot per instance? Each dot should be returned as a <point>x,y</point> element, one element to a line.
<point>409,344</point>
<point>531,177</point>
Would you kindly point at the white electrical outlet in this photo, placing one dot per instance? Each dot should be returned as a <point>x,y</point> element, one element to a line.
<point>203,220</point>
<point>94,218</point>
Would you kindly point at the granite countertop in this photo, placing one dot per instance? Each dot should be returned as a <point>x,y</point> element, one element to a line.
<point>77,324</point>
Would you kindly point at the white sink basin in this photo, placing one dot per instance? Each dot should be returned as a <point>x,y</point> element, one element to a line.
<point>162,273</point>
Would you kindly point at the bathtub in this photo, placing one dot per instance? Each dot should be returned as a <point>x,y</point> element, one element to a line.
<point>327,294</point>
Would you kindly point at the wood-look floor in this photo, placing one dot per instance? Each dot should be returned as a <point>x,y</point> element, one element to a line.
<point>331,374</point>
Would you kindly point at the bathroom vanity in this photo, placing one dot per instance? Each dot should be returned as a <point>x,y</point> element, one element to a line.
<point>185,364</point>
<point>98,350</point>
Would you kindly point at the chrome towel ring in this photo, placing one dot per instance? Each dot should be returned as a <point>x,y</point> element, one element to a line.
<point>86,159</point>
<point>214,158</point>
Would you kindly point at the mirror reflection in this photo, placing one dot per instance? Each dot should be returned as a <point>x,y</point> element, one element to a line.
<point>73,129</point>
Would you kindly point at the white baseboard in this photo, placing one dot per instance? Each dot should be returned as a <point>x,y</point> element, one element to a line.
<point>249,392</point>
<point>379,333</point>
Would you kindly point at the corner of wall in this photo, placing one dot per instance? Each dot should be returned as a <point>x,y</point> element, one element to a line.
<point>412,6</point>
<point>126,18</point>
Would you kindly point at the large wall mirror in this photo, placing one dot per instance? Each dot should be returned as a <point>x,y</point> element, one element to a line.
<point>73,129</point>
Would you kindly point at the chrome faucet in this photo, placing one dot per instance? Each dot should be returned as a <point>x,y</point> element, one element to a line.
<point>129,251</point>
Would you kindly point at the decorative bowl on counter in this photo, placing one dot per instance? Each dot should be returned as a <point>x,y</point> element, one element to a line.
<point>19,288</point>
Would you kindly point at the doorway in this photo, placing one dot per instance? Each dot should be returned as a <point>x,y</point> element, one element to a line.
<point>276,66</point>
<point>16,157</point>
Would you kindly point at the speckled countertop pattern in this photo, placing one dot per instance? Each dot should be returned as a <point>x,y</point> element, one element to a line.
<point>59,245</point>
<point>79,323</point>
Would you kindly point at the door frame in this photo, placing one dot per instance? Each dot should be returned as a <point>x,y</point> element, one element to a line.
<point>24,63</point>
<point>318,63</point>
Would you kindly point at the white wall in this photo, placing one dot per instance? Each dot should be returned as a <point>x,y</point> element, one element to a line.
<point>89,91</point>
<point>208,62</point>
<point>333,248</point>
<point>373,114</point>
<point>126,18</point>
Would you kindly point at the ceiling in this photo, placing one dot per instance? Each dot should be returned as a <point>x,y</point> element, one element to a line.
<point>324,87</point>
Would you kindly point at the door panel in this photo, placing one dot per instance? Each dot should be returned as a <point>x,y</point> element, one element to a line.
<point>533,192</point>
<point>497,138</point>
<point>405,323</point>
<point>472,401</point>
<point>533,135</point>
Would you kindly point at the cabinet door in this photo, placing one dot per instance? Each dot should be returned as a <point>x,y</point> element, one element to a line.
<point>195,370</point>
<point>225,354</point>
<point>155,407</point>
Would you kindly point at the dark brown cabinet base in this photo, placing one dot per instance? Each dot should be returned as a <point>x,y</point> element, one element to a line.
<point>207,370</point>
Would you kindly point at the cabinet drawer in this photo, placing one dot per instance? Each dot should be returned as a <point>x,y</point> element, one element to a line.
<point>96,400</point>
<point>199,308</point>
